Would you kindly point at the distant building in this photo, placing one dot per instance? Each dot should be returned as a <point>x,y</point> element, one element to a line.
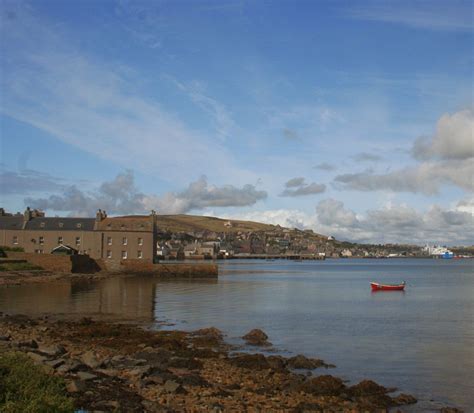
<point>117,238</point>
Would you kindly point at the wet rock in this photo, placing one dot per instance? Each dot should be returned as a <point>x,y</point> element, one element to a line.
<point>28,343</point>
<point>155,358</point>
<point>85,376</point>
<point>37,358</point>
<point>52,351</point>
<point>187,363</point>
<point>323,386</point>
<point>367,388</point>
<point>256,337</point>
<point>250,361</point>
<point>91,360</point>
<point>276,362</point>
<point>194,380</point>
<point>75,386</point>
<point>172,386</point>
<point>403,399</point>
<point>302,362</point>
<point>210,332</point>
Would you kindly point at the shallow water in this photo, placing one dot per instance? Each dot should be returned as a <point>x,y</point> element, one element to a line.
<point>420,341</point>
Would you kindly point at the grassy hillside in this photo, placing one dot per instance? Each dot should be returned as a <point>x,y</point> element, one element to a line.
<point>178,223</point>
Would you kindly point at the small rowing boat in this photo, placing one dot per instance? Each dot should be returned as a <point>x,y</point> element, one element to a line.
<point>387,287</point>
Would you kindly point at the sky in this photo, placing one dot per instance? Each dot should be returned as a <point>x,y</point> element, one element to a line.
<point>351,118</point>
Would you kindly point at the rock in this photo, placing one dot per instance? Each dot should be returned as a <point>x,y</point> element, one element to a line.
<point>52,351</point>
<point>302,362</point>
<point>55,363</point>
<point>210,332</point>
<point>90,359</point>
<point>37,358</point>
<point>28,343</point>
<point>114,404</point>
<point>251,361</point>
<point>172,386</point>
<point>451,410</point>
<point>256,337</point>
<point>367,388</point>
<point>139,372</point>
<point>323,386</point>
<point>5,338</point>
<point>109,372</point>
<point>403,398</point>
<point>75,386</point>
<point>276,362</point>
<point>84,375</point>
<point>69,366</point>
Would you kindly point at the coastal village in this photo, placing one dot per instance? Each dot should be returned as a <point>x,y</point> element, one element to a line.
<point>157,238</point>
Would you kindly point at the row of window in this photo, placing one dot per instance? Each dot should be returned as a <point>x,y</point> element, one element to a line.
<point>78,241</point>
<point>125,254</point>
<point>124,241</point>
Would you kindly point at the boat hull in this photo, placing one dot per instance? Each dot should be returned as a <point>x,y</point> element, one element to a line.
<point>387,287</point>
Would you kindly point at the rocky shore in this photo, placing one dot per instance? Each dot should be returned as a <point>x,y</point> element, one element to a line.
<point>117,367</point>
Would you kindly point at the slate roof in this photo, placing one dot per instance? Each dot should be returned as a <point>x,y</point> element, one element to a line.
<point>128,223</point>
<point>61,224</point>
<point>11,222</point>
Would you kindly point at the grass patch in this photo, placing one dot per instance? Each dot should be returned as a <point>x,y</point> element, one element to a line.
<point>19,266</point>
<point>25,387</point>
<point>16,249</point>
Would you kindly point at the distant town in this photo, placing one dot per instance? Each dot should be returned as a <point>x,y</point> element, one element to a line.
<point>157,237</point>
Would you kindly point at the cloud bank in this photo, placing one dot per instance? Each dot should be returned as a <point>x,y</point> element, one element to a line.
<point>447,158</point>
<point>392,224</point>
<point>121,196</point>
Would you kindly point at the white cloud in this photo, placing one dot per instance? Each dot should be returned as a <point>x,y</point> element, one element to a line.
<point>454,138</point>
<point>433,15</point>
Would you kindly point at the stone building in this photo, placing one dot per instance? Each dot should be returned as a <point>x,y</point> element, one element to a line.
<point>110,238</point>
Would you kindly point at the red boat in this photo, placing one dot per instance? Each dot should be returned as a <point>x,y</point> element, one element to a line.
<point>387,287</point>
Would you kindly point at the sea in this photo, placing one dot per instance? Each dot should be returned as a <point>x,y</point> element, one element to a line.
<point>420,341</point>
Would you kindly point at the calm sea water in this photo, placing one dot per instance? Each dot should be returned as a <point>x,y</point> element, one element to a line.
<point>420,341</point>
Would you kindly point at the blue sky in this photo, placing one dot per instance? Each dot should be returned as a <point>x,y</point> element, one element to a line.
<point>351,118</point>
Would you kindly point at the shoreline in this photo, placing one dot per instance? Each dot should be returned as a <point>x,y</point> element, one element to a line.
<point>109,366</point>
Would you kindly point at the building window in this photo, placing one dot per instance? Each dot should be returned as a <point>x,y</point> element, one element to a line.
<point>61,225</point>
<point>140,241</point>
<point>41,240</point>
<point>139,254</point>
<point>42,224</point>
<point>109,240</point>
<point>109,254</point>
<point>124,255</point>
<point>15,240</point>
<point>60,240</point>
<point>78,240</point>
<point>124,241</point>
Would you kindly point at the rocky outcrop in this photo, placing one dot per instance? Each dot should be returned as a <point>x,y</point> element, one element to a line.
<point>256,337</point>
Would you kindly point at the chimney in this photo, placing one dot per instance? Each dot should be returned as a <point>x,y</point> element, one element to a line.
<point>100,215</point>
